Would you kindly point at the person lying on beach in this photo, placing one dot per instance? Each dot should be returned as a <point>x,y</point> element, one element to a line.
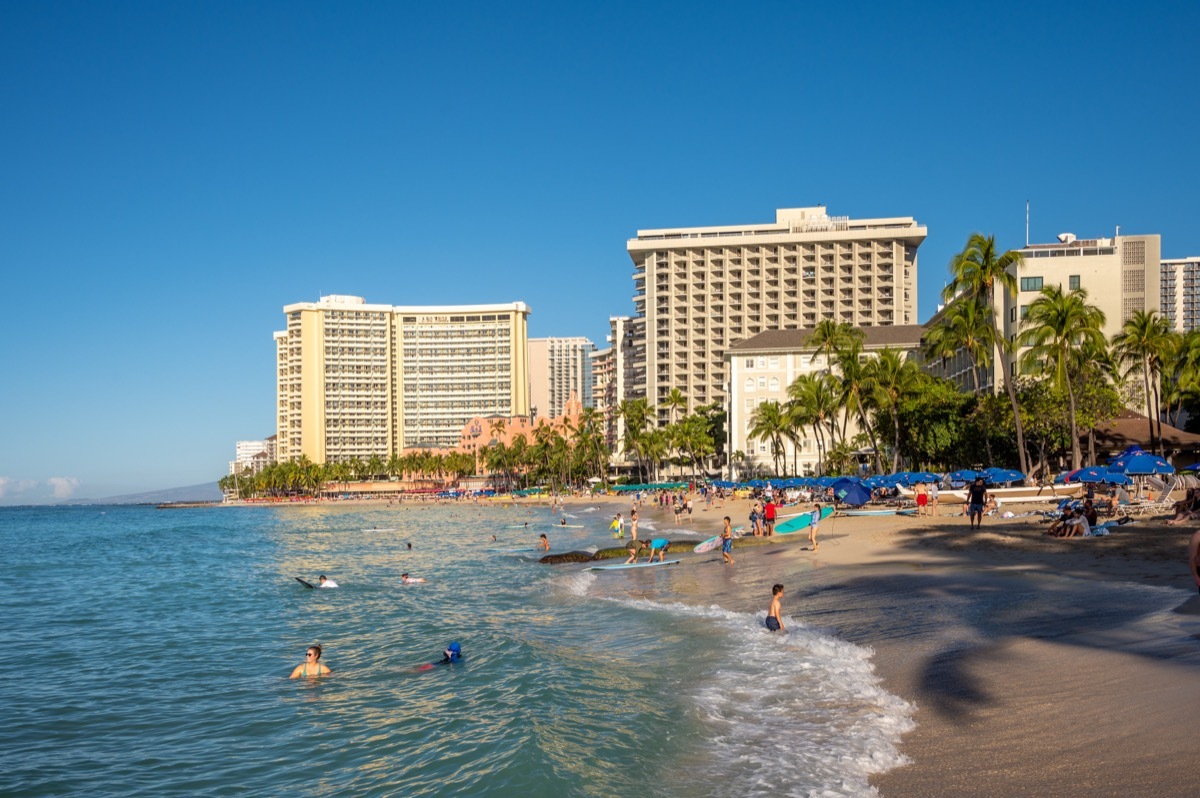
<point>405,579</point>
<point>774,620</point>
<point>311,667</point>
<point>1187,509</point>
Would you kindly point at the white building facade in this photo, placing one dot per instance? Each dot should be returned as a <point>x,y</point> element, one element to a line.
<point>558,368</point>
<point>1179,282</point>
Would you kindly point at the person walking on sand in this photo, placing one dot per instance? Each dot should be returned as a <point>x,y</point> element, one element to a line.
<point>727,542</point>
<point>774,621</point>
<point>976,498</point>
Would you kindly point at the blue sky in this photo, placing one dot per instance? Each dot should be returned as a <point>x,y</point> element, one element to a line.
<point>173,174</point>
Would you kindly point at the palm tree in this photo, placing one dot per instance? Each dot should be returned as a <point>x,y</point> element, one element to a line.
<point>675,400</point>
<point>1055,329</point>
<point>636,415</point>
<point>856,382</point>
<point>1141,345</point>
<point>770,423</point>
<point>813,402</point>
<point>894,378</point>
<point>977,271</point>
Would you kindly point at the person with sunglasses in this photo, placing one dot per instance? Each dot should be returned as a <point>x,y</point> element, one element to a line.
<point>312,666</point>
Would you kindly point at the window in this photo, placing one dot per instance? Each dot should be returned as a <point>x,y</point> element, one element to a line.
<point>762,362</point>
<point>1024,311</point>
<point>1031,283</point>
<point>1012,314</point>
<point>762,383</point>
<point>1073,282</point>
<point>749,383</point>
<point>774,362</point>
<point>774,384</point>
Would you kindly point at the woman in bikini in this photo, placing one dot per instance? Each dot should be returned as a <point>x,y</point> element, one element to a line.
<point>312,664</point>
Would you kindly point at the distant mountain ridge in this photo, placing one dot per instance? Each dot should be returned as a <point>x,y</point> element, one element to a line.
<point>206,492</point>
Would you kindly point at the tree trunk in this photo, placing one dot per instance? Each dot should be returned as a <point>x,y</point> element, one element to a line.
<point>1158,416</point>
<point>1012,394</point>
<point>862,415</point>
<point>1076,455</point>
<point>895,442</point>
<point>1146,386</point>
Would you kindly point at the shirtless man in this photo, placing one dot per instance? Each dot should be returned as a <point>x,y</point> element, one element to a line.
<point>727,542</point>
<point>774,620</point>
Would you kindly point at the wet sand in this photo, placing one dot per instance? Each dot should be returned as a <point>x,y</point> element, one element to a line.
<point>1038,666</point>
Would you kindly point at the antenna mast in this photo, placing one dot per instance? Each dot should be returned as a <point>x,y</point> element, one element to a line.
<point>1027,224</point>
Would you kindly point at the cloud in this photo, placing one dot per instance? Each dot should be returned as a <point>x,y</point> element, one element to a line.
<point>63,487</point>
<point>8,485</point>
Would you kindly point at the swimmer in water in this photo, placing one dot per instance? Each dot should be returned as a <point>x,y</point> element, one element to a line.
<point>451,655</point>
<point>311,667</point>
<point>405,579</point>
<point>544,543</point>
<point>324,581</point>
<point>562,522</point>
<point>410,547</point>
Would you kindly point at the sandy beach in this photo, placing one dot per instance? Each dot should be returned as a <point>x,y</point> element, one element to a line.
<point>1047,666</point>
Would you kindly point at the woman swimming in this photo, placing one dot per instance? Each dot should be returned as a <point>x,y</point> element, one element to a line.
<point>312,664</point>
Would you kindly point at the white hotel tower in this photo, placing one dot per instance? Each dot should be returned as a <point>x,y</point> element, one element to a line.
<point>700,289</point>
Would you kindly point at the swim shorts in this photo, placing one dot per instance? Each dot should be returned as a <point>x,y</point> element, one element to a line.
<point>922,499</point>
<point>727,545</point>
<point>975,509</point>
<point>772,623</point>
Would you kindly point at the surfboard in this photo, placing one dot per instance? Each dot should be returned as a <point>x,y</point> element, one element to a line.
<point>868,512</point>
<point>624,566</point>
<point>567,526</point>
<point>803,521</point>
<point>715,541</point>
<point>301,581</point>
<point>514,551</point>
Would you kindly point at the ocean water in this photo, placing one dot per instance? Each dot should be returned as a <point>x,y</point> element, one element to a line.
<point>147,654</point>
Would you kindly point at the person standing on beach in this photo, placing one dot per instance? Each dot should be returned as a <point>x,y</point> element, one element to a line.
<point>769,518</point>
<point>922,497</point>
<point>633,521</point>
<point>976,498</point>
<point>774,620</point>
<point>812,528</point>
<point>933,499</point>
<point>727,542</point>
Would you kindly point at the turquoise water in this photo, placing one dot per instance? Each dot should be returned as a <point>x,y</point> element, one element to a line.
<point>148,653</point>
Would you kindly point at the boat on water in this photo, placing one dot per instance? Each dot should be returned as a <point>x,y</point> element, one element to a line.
<point>1049,493</point>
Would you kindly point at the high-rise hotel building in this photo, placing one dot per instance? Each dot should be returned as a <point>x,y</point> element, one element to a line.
<point>356,380</point>
<point>700,289</point>
<point>558,368</point>
<point>1180,292</point>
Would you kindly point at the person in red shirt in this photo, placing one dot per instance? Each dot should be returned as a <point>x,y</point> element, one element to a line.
<point>769,517</point>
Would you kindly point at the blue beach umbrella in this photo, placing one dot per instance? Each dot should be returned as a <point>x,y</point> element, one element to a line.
<point>851,491</point>
<point>995,475</point>
<point>963,475</point>
<point>923,476</point>
<point>1141,465</point>
<point>1092,474</point>
<point>1192,467</point>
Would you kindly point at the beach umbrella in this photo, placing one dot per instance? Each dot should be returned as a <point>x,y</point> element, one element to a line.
<point>995,476</point>
<point>923,476</point>
<point>1192,467</point>
<point>1142,464</point>
<point>963,475</point>
<point>851,491</point>
<point>1064,477</point>
<point>1092,474</point>
<point>1130,451</point>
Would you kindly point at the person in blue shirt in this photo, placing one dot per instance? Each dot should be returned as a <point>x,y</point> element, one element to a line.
<point>659,546</point>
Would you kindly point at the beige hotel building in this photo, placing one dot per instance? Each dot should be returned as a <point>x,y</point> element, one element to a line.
<point>699,290</point>
<point>355,379</point>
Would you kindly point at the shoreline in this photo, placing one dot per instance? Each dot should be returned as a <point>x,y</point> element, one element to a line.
<point>1083,696</point>
<point>1079,695</point>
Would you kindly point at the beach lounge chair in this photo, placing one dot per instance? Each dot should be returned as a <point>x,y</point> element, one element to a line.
<point>1162,504</point>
